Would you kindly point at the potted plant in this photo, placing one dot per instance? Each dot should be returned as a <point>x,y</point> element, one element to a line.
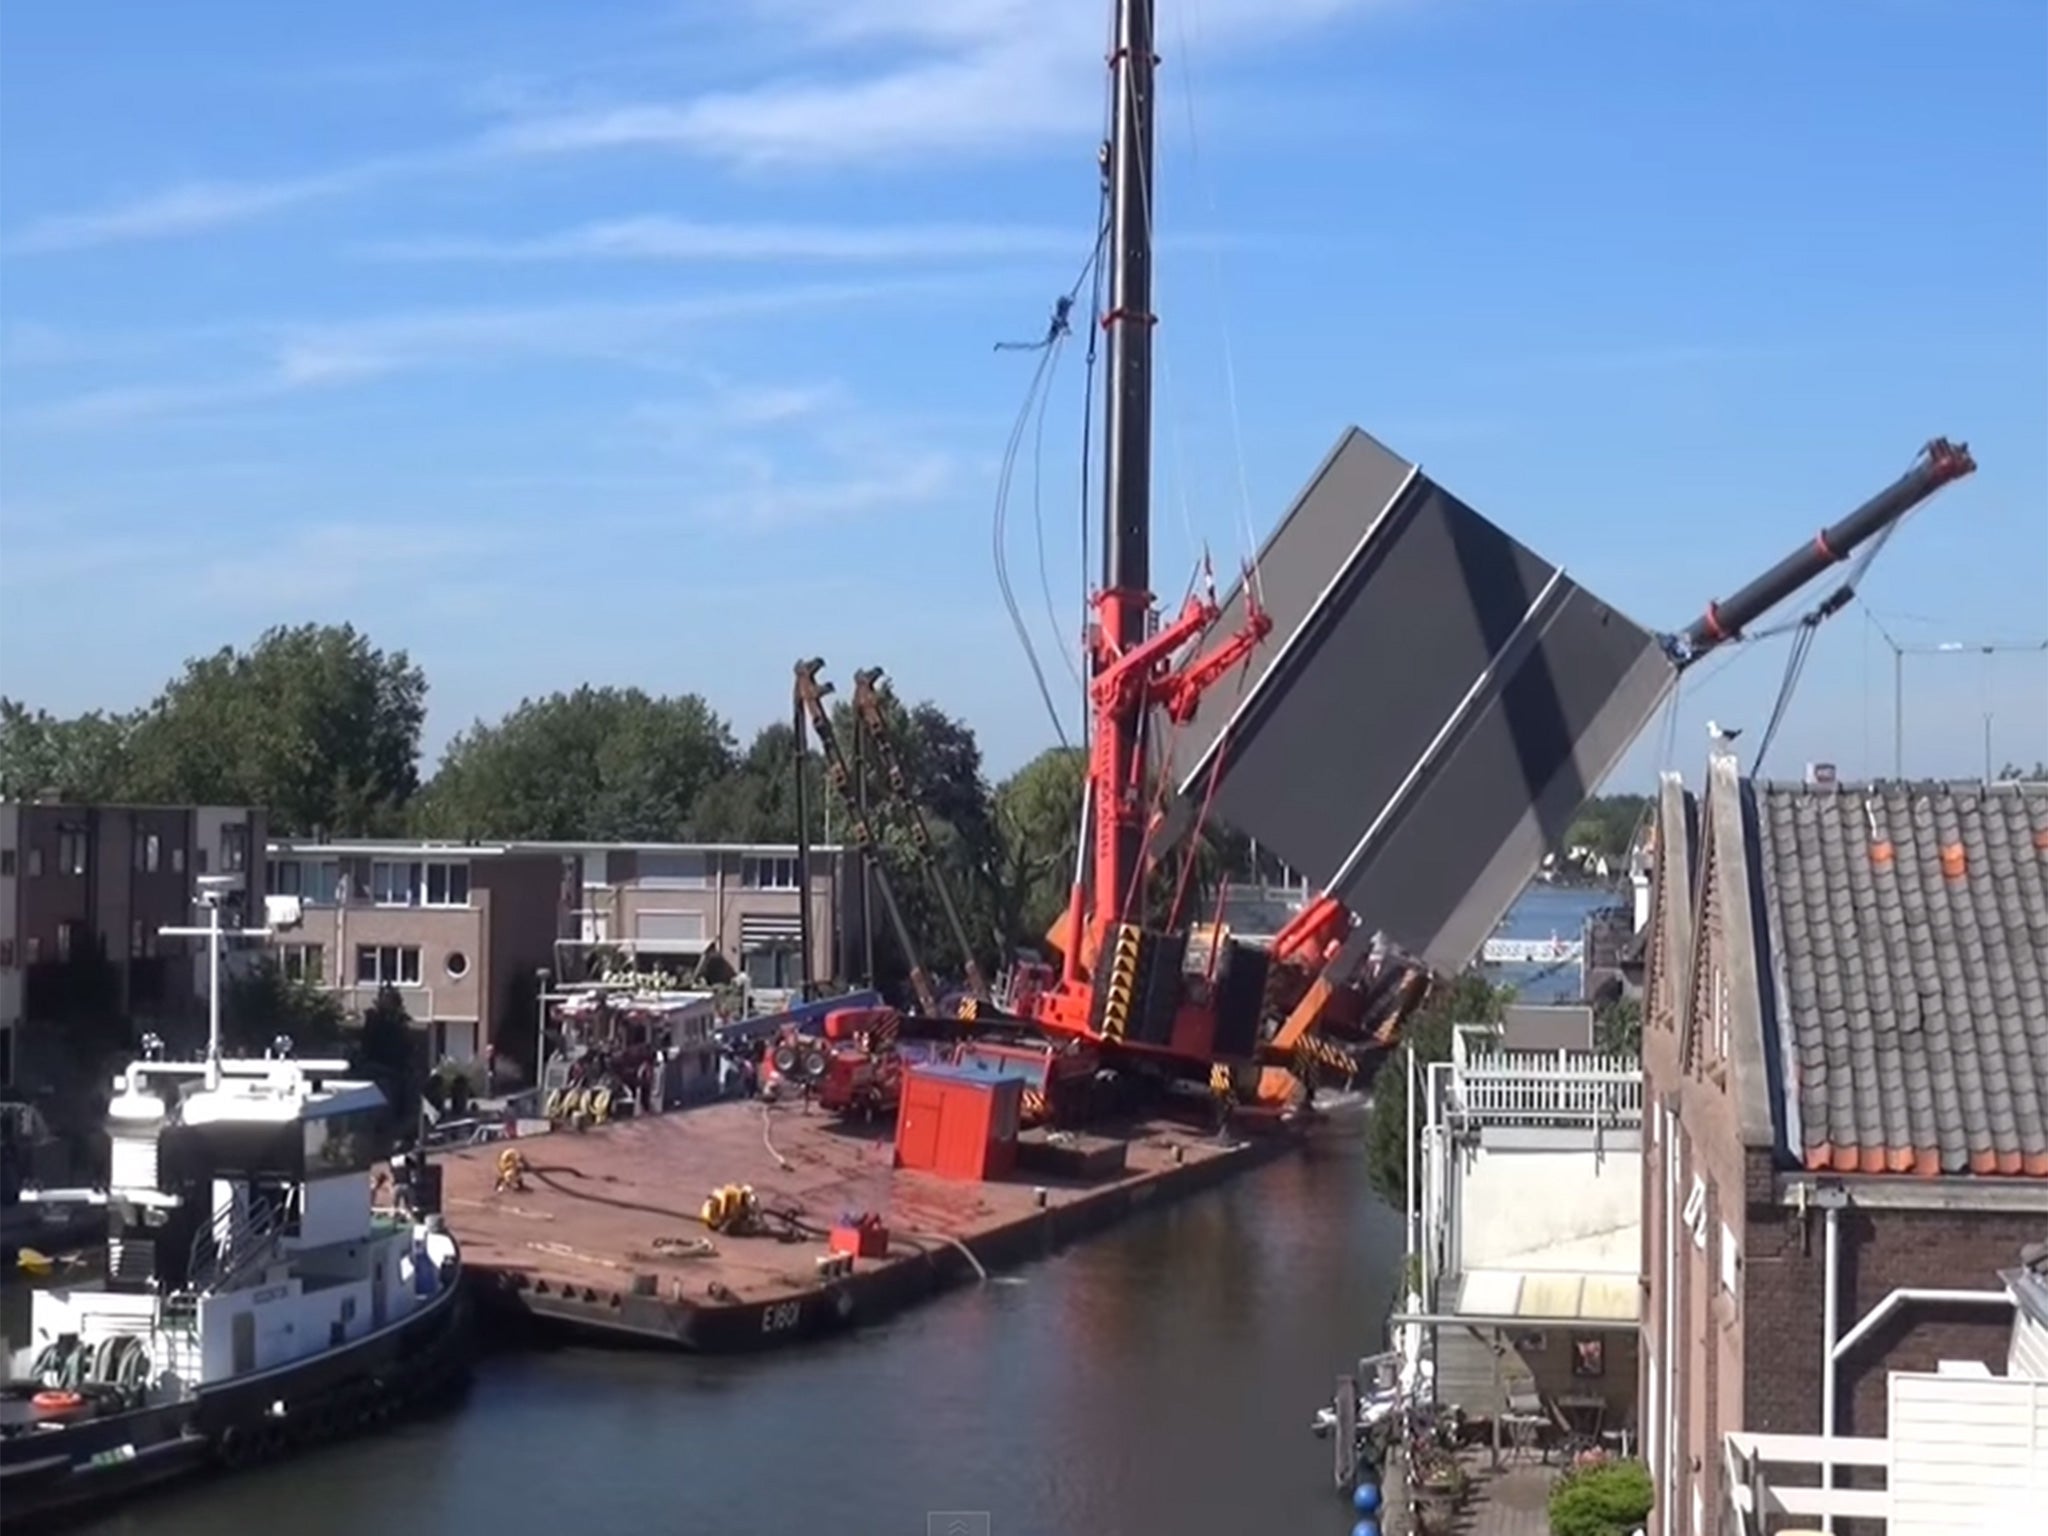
<point>1437,1485</point>
<point>1601,1498</point>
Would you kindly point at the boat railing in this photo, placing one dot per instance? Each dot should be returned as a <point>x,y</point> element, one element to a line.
<point>239,1242</point>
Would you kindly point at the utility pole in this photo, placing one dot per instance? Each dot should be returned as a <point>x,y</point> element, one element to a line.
<point>1124,608</point>
<point>1945,648</point>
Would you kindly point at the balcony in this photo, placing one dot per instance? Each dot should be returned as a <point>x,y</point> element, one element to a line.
<point>1967,1455</point>
<point>1579,1090</point>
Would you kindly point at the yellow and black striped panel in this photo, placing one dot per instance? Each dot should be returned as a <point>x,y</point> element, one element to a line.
<point>1120,981</point>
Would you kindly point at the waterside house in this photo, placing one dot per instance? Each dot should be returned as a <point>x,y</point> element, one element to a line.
<point>1845,1052</point>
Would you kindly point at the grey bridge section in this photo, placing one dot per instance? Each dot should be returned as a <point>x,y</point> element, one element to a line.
<point>1432,708</point>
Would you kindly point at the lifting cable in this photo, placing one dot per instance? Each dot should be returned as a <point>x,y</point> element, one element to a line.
<point>1804,630</point>
<point>1048,348</point>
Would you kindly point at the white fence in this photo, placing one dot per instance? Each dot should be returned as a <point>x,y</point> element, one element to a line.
<point>1547,1088</point>
<point>1966,1456</point>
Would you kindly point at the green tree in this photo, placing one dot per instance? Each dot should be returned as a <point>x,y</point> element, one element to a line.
<point>598,764</point>
<point>756,801</point>
<point>84,759</point>
<point>1618,1026</point>
<point>262,1003</point>
<point>1466,999</point>
<point>1038,812</point>
<point>313,723</point>
<point>391,1054</point>
<point>1608,824</point>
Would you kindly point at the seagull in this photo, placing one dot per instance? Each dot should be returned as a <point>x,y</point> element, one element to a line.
<point>1723,733</point>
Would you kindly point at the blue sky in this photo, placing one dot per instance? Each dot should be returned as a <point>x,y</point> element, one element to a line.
<point>652,342</point>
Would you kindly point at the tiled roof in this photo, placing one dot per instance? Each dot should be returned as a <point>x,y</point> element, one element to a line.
<point>1909,930</point>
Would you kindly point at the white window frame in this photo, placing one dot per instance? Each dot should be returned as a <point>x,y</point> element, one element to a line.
<point>292,960</point>
<point>389,874</point>
<point>759,872</point>
<point>72,853</point>
<point>1731,1260</point>
<point>234,847</point>
<point>403,957</point>
<point>450,873</point>
<point>149,852</point>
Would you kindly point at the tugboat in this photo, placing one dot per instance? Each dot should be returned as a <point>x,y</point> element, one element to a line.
<point>253,1299</point>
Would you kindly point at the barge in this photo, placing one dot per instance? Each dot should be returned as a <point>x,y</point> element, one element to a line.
<point>602,1236</point>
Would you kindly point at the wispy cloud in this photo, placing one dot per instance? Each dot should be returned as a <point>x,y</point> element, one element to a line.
<point>199,206</point>
<point>934,80</point>
<point>295,358</point>
<point>843,83</point>
<point>683,240</point>
<point>767,457</point>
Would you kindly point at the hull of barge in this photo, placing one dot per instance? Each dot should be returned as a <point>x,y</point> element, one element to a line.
<point>595,1247</point>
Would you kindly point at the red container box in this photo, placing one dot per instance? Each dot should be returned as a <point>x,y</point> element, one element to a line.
<point>959,1123</point>
<point>869,1240</point>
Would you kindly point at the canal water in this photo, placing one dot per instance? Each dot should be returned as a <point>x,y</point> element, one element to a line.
<point>1156,1381</point>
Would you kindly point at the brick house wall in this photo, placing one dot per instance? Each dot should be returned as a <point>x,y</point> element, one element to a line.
<point>1881,1251</point>
<point>1749,1302</point>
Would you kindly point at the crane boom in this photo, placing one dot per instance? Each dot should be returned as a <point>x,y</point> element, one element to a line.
<point>811,694</point>
<point>867,703</point>
<point>1939,463</point>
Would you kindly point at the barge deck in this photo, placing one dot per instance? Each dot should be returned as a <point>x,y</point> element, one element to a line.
<point>604,1241</point>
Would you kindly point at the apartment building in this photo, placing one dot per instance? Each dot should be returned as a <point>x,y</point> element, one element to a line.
<point>673,902</point>
<point>1845,1051</point>
<point>84,893</point>
<point>459,930</point>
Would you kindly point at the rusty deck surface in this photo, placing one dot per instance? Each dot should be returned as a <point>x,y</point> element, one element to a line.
<point>601,1206</point>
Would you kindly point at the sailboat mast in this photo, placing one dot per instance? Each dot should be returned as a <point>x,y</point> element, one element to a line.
<point>1124,608</point>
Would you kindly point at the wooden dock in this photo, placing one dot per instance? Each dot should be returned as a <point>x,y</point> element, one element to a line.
<point>604,1239</point>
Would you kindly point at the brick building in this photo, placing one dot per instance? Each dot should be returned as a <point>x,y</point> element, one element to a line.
<point>84,891</point>
<point>667,904</point>
<point>458,929</point>
<point>1845,1052</point>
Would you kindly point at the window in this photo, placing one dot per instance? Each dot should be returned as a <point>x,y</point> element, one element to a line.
<point>282,877</point>
<point>69,939</point>
<point>387,965</point>
<point>394,885</point>
<point>674,871</point>
<point>1695,1214</point>
<point>6,861</point>
<point>149,852</point>
<point>35,862</point>
<point>768,873</point>
<point>447,885</point>
<point>772,968</point>
<point>302,962</point>
<point>1731,1260</point>
<point>234,848</point>
<point>70,853</point>
<point>6,954</point>
<point>456,964</point>
<point>198,861</point>
<point>31,950</point>
<point>178,860</point>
